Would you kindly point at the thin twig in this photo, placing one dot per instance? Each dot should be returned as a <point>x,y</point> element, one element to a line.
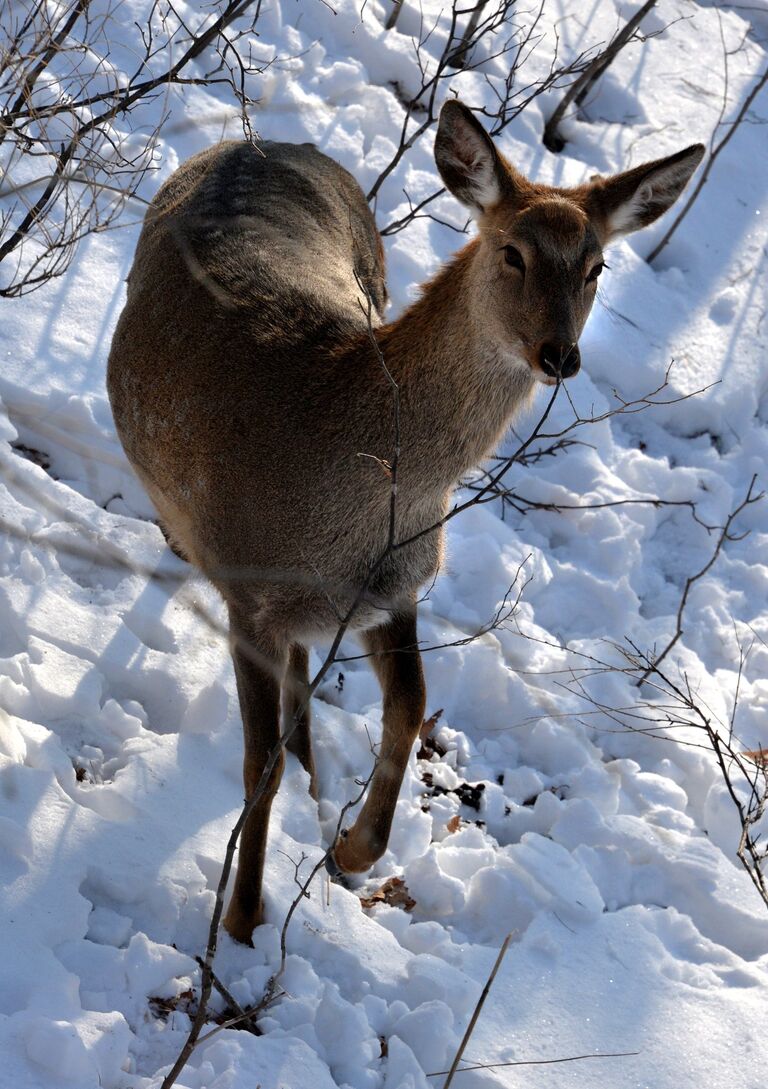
<point>270,993</point>
<point>477,1011</point>
<point>247,1016</point>
<point>540,1062</point>
<point>277,750</point>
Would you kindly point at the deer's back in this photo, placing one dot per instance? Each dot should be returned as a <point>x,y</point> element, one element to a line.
<point>273,225</point>
<point>241,379</point>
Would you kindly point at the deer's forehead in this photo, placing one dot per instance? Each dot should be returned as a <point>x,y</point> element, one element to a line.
<point>556,228</point>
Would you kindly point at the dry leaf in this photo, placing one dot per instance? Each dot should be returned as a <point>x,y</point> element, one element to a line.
<point>428,745</point>
<point>393,892</point>
<point>162,1007</point>
<point>429,724</point>
<point>758,756</point>
<point>454,824</point>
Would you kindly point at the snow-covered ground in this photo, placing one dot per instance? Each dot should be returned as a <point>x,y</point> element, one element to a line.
<point>609,855</point>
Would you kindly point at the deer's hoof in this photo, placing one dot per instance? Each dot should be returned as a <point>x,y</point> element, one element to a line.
<point>354,854</point>
<point>336,873</point>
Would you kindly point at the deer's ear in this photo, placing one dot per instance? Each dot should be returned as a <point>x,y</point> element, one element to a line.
<point>466,158</point>
<point>626,202</point>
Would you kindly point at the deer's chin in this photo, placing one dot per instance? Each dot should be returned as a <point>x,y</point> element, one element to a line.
<point>516,358</point>
<point>525,357</point>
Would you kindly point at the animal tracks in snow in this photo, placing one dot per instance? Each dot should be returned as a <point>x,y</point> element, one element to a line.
<point>607,854</point>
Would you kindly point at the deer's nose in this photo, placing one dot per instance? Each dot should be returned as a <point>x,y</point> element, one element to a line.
<point>560,360</point>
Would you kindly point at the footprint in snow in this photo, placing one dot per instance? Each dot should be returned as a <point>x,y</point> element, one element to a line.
<point>723,309</point>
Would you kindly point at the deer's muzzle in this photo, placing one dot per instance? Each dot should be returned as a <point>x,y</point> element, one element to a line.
<point>559,360</point>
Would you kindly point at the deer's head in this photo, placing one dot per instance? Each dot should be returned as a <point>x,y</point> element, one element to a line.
<point>540,249</point>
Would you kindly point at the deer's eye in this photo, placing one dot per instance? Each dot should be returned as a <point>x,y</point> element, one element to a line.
<point>596,272</point>
<point>514,258</point>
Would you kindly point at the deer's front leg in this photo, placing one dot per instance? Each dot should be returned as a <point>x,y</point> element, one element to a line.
<point>259,668</point>
<point>398,665</point>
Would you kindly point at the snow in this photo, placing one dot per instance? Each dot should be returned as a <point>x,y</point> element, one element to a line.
<point>609,855</point>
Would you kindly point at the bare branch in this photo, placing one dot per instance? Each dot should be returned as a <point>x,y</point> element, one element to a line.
<point>726,534</point>
<point>69,118</point>
<point>597,67</point>
<point>714,152</point>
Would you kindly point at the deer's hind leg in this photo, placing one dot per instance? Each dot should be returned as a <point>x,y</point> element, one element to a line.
<point>296,713</point>
<point>397,662</point>
<point>260,664</point>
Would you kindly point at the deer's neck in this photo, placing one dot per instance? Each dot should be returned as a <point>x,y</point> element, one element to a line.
<point>458,390</point>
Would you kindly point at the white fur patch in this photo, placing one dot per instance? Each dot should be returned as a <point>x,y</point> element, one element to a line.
<point>626,217</point>
<point>473,159</point>
<point>663,187</point>
<point>484,184</point>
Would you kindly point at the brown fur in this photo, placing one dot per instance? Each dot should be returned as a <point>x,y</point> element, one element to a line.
<point>245,389</point>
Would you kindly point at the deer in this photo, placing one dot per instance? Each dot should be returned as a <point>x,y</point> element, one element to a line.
<point>251,380</point>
